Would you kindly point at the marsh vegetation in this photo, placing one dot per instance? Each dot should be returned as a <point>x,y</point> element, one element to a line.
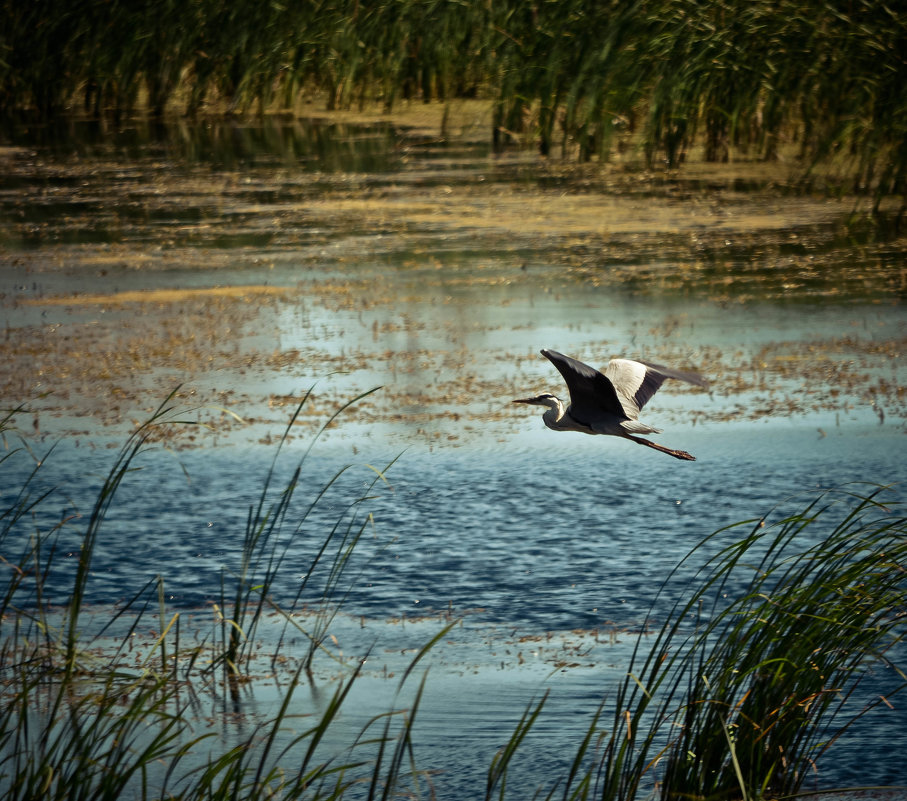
<point>818,82</point>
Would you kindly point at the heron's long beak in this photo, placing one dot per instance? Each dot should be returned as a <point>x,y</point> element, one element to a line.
<point>530,401</point>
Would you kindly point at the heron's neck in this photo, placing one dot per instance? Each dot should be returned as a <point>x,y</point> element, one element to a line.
<point>554,415</point>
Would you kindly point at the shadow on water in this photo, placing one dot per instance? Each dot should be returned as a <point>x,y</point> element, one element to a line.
<point>217,143</point>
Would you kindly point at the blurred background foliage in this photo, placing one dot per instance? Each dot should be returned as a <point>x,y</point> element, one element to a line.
<point>573,77</point>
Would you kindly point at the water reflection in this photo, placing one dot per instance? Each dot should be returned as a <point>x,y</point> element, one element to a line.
<point>215,143</point>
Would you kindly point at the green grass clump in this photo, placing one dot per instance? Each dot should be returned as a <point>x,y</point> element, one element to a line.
<point>84,715</point>
<point>747,684</point>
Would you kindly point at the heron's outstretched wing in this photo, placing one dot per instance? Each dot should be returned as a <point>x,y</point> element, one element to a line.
<point>592,394</point>
<point>636,382</point>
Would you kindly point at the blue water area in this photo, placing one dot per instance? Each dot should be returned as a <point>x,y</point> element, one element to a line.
<point>539,534</point>
<point>550,531</point>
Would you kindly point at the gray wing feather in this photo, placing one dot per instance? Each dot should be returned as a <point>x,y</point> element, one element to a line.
<point>592,395</point>
<point>633,383</point>
<point>637,381</point>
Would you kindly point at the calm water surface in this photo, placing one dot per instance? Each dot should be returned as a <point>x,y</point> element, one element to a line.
<point>553,548</point>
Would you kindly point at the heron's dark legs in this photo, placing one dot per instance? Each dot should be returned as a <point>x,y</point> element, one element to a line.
<point>676,454</point>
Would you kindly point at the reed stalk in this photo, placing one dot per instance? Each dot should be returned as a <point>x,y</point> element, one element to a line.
<point>743,702</point>
<point>79,720</point>
<point>735,76</point>
<point>264,551</point>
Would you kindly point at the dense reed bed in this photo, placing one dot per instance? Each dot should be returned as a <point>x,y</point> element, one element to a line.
<point>750,681</point>
<point>826,80</point>
<point>743,687</point>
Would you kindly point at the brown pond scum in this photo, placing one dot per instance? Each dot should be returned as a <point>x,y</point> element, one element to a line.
<point>429,283</point>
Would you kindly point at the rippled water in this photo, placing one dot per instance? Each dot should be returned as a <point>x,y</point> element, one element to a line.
<point>533,540</point>
<point>538,531</point>
<point>554,548</point>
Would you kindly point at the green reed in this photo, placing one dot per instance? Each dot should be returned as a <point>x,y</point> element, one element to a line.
<point>738,76</point>
<point>266,545</point>
<point>90,715</point>
<point>745,686</point>
<point>741,690</point>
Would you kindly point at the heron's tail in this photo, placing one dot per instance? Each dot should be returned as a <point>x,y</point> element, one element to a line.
<point>638,427</point>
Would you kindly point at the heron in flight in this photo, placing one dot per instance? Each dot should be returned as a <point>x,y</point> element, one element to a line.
<point>609,402</point>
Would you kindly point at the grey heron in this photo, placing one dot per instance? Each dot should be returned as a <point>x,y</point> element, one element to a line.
<point>609,403</point>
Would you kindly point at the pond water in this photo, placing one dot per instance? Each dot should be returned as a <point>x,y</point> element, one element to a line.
<point>280,257</point>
